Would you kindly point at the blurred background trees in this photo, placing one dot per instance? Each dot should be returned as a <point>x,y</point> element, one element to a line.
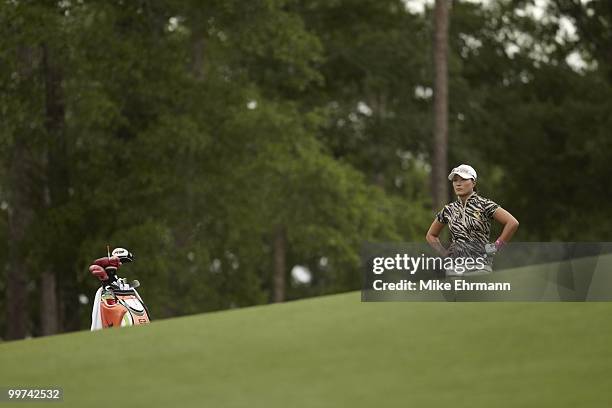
<point>227,142</point>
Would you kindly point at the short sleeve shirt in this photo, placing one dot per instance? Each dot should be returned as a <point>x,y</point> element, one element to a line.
<point>469,223</point>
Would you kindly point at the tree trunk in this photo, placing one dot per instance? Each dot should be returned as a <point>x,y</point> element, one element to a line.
<point>19,219</point>
<point>280,250</point>
<point>49,322</point>
<point>198,50</point>
<point>20,216</point>
<point>56,181</point>
<point>440,154</point>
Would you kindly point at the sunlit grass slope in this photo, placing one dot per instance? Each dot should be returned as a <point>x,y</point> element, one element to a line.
<point>334,352</point>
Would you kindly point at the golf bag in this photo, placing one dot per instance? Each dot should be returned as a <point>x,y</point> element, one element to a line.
<point>117,302</point>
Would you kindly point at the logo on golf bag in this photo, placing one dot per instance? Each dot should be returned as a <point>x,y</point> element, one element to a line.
<point>124,309</point>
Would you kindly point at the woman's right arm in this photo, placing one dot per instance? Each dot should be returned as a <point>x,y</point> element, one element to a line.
<point>433,237</point>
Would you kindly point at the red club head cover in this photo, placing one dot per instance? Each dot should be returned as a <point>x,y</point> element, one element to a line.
<point>106,262</point>
<point>98,272</point>
<point>101,265</point>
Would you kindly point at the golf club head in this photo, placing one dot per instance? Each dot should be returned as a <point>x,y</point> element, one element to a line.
<point>123,254</point>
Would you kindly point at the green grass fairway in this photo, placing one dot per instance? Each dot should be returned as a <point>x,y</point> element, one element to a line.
<point>334,352</point>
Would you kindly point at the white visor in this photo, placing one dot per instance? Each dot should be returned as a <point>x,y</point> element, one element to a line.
<point>463,171</point>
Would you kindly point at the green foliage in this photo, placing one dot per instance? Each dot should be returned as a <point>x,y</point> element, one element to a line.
<point>190,166</point>
<point>528,108</point>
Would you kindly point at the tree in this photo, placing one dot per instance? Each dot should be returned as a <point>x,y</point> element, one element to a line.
<point>520,113</point>
<point>440,150</point>
<point>375,55</point>
<point>21,165</point>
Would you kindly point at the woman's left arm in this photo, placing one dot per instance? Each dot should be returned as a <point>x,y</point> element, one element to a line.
<point>510,225</point>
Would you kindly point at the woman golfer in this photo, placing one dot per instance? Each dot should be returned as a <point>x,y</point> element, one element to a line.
<point>469,221</point>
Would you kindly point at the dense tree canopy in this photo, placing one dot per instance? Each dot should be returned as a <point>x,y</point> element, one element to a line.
<point>226,141</point>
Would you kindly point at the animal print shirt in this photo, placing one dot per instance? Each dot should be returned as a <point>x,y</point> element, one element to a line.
<point>469,224</point>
